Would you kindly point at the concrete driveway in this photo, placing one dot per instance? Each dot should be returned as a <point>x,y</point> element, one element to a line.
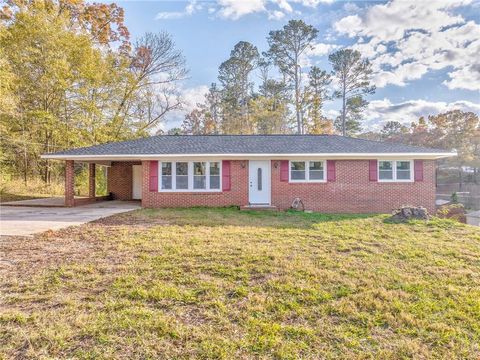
<point>25,221</point>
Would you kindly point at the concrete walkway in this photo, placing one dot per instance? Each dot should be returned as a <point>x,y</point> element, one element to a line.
<point>25,221</point>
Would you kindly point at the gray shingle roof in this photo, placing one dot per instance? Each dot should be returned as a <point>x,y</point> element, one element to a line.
<point>246,144</point>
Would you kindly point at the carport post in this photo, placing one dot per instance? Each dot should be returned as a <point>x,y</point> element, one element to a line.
<point>91,180</point>
<point>69,183</point>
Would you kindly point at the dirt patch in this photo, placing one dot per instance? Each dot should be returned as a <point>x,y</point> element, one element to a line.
<point>25,256</point>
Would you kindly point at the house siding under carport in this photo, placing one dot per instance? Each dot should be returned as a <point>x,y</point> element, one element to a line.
<point>120,179</point>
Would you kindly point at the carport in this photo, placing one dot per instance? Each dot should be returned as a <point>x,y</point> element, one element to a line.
<point>124,180</point>
<point>70,199</point>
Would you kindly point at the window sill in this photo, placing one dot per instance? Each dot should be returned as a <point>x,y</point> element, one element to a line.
<point>189,192</point>
<point>395,181</point>
<point>307,182</point>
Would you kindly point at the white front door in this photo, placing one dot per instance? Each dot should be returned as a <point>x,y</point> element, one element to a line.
<point>137,182</point>
<point>259,182</point>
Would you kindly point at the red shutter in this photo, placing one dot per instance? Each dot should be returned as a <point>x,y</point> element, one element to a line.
<point>418,168</point>
<point>284,170</point>
<point>226,178</point>
<point>331,170</point>
<point>373,170</point>
<point>153,181</point>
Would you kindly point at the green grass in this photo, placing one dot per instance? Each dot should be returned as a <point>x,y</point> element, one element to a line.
<point>224,284</point>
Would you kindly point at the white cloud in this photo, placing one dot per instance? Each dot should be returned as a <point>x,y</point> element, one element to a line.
<point>351,7</point>
<point>312,3</point>
<point>190,97</point>
<point>234,9</point>
<point>321,49</point>
<point>284,5</point>
<point>381,111</point>
<point>420,37</point>
<point>466,78</point>
<point>190,9</point>
<point>275,15</point>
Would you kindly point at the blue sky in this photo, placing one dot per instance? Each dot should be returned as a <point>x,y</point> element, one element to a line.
<point>426,54</point>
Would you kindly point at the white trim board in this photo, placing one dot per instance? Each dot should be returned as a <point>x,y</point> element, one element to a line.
<point>311,156</point>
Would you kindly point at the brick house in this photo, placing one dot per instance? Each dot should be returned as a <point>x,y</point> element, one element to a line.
<point>328,173</point>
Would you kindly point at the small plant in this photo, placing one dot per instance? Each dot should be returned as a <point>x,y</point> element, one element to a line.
<point>454,198</point>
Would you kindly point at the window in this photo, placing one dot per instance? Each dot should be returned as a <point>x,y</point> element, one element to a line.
<point>403,170</point>
<point>297,170</point>
<point>395,170</point>
<point>190,176</point>
<point>166,175</point>
<point>385,170</point>
<point>199,175</point>
<point>315,170</point>
<point>259,179</point>
<point>181,175</point>
<point>214,175</point>
<point>307,171</point>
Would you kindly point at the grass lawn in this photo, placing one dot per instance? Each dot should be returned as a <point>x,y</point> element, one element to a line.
<point>219,283</point>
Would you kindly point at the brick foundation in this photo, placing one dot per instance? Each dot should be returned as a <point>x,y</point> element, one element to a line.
<point>351,192</point>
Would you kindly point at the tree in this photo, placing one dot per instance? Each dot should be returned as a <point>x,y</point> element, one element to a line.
<point>68,77</point>
<point>194,123</point>
<point>270,112</point>
<point>457,130</point>
<point>103,22</point>
<point>286,48</point>
<point>269,115</point>
<point>53,69</point>
<point>213,104</point>
<point>353,77</point>
<point>350,126</point>
<point>392,129</point>
<point>315,96</point>
<point>234,77</point>
<point>149,89</point>
<point>175,131</point>
<point>205,118</point>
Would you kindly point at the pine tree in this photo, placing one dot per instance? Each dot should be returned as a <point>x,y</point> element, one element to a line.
<point>353,77</point>
<point>286,49</point>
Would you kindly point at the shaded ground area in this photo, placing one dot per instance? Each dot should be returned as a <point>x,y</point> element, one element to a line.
<point>37,202</point>
<point>8,197</point>
<point>24,221</point>
<point>219,283</point>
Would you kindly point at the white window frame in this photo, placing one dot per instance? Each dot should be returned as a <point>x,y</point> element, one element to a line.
<point>307,172</point>
<point>394,179</point>
<point>190,176</point>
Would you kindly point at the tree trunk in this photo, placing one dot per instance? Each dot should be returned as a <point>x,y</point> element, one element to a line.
<point>297,105</point>
<point>25,155</point>
<point>344,105</point>
<point>460,178</point>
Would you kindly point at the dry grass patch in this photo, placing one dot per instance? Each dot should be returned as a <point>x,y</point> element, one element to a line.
<point>219,283</point>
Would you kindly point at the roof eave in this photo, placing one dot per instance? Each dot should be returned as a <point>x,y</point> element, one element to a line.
<point>245,156</point>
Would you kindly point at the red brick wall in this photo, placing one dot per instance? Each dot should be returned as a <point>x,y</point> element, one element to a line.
<point>352,191</point>
<point>69,183</point>
<point>120,178</point>
<point>238,195</point>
